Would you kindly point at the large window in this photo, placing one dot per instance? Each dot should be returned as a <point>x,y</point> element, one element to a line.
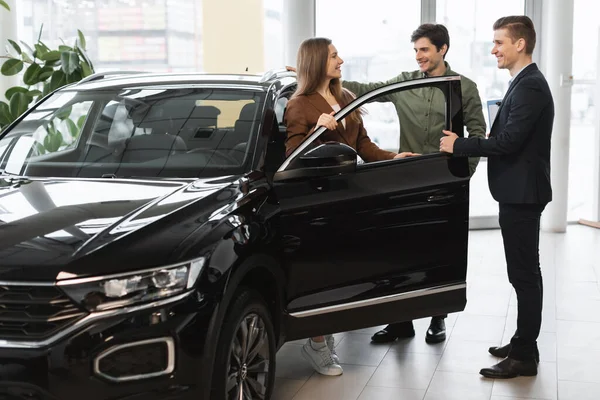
<point>374,47</point>
<point>470,24</point>
<point>148,35</point>
<point>586,27</point>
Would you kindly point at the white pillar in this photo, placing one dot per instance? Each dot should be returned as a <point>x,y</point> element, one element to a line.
<point>232,36</point>
<point>596,183</point>
<point>299,23</point>
<point>557,54</point>
<point>8,30</point>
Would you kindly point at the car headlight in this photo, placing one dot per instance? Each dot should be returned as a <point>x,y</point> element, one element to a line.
<point>102,293</point>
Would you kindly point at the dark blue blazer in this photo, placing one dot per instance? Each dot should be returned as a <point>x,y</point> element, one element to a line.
<point>518,148</point>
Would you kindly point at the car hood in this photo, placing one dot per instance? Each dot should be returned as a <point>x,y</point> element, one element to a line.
<point>46,225</point>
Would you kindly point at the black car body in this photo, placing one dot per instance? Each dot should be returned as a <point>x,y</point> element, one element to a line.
<point>155,242</point>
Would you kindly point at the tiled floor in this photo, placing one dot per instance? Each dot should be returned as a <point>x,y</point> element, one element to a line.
<point>413,370</point>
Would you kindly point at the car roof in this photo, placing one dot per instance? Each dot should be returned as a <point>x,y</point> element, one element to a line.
<point>121,79</point>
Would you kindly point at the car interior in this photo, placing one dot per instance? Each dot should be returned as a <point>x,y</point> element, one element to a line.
<point>168,134</point>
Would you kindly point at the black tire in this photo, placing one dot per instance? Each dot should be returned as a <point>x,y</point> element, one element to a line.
<point>251,368</point>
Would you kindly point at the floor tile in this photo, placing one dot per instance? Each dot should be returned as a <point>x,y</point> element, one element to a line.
<point>291,364</point>
<point>357,349</point>
<point>388,393</point>
<point>286,389</point>
<point>579,334</point>
<point>578,390</point>
<point>482,328</point>
<point>405,370</point>
<point>458,386</point>
<point>348,386</point>
<point>466,356</point>
<point>575,309</point>
<point>542,386</point>
<point>578,364</point>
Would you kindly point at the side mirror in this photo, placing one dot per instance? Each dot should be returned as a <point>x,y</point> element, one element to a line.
<point>326,159</point>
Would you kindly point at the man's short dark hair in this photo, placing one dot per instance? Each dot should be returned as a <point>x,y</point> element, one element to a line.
<point>436,33</point>
<point>518,27</point>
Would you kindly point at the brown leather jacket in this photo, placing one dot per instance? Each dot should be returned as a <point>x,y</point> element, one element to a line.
<point>301,116</point>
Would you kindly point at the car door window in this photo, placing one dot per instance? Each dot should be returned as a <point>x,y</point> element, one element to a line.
<point>449,105</point>
<point>382,125</point>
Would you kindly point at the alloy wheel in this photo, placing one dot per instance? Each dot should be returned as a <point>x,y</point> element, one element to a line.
<point>248,366</point>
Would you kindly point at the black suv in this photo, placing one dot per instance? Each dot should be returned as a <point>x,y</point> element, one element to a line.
<point>156,243</point>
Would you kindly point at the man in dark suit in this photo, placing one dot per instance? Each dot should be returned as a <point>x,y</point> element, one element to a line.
<point>518,151</point>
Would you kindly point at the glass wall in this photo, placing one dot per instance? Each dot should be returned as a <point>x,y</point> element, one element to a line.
<point>586,26</point>
<point>375,47</point>
<point>149,35</point>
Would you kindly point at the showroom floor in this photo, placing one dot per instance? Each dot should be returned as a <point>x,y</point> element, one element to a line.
<point>413,370</point>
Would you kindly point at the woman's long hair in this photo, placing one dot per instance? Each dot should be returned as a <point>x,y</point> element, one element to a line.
<point>311,69</point>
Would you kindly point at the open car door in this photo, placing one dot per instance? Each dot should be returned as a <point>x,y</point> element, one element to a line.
<point>378,242</point>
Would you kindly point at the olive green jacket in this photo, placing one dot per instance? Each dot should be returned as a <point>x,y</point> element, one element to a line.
<point>421,112</point>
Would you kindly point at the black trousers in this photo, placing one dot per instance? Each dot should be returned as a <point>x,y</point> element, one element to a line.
<point>520,226</point>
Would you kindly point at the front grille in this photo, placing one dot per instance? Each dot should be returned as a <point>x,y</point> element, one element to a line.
<point>34,312</point>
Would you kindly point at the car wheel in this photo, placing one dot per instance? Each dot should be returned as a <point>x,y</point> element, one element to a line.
<point>245,363</point>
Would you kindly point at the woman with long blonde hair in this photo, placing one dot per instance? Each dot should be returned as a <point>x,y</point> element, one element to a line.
<point>318,97</point>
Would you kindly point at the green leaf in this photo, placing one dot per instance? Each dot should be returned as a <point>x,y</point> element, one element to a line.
<point>15,46</point>
<point>70,62</point>
<point>74,77</point>
<point>19,102</point>
<point>5,116</point>
<point>40,148</point>
<point>84,56</point>
<point>73,130</point>
<point>33,93</point>
<point>26,57</point>
<point>82,42</point>
<point>48,145</point>
<point>81,121</point>
<point>40,34</point>
<point>53,55</point>
<point>86,69</point>
<point>13,90</point>
<point>32,74</point>
<point>45,91</point>
<point>58,80</point>
<point>11,67</point>
<point>62,48</point>
<point>40,51</point>
<point>50,128</point>
<point>64,113</point>
<point>45,73</point>
<point>44,45</point>
<point>56,141</point>
<point>3,4</point>
<point>28,47</point>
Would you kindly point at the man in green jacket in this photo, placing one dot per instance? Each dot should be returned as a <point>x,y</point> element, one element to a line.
<point>422,119</point>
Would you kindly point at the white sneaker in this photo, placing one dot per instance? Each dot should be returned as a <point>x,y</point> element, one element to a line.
<point>321,360</point>
<point>331,344</point>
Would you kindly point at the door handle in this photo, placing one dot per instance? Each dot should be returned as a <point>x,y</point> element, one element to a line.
<point>439,197</point>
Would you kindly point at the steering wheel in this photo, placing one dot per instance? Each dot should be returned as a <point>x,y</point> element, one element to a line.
<point>212,153</point>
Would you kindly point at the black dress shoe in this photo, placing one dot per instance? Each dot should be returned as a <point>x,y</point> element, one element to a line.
<point>393,332</point>
<point>510,368</point>
<point>437,331</point>
<point>503,351</point>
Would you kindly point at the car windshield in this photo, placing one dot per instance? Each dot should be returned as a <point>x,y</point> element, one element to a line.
<point>141,132</point>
